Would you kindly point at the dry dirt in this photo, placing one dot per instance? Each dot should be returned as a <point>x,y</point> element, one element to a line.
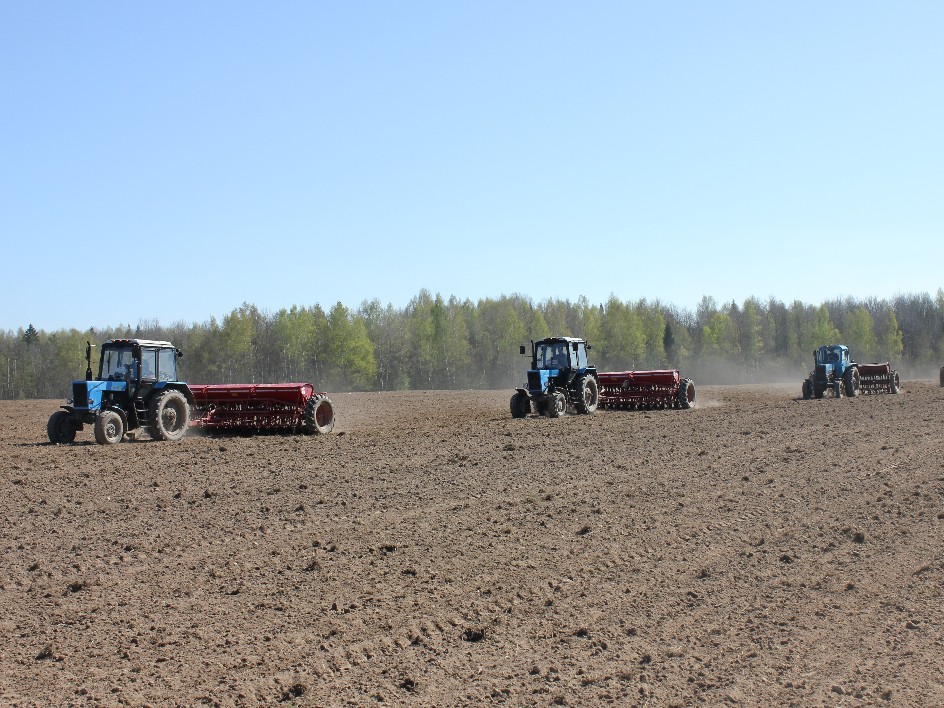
<point>433,551</point>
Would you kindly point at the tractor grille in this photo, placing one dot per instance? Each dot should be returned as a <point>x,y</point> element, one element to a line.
<point>80,394</point>
<point>534,380</point>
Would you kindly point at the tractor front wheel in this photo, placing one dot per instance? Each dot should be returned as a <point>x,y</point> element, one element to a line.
<point>109,428</point>
<point>168,416</point>
<point>60,428</point>
<point>556,405</point>
<point>807,390</point>
<point>589,395</point>
<point>319,415</point>
<point>520,405</point>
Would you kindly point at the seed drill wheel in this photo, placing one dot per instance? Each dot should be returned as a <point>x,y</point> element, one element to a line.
<point>60,428</point>
<point>169,415</point>
<point>520,405</point>
<point>895,383</point>
<point>589,395</point>
<point>109,428</point>
<point>686,394</point>
<point>319,415</point>
<point>556,405</point>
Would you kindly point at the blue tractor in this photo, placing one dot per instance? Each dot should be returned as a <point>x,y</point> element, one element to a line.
<point>560,379</point>
<point>833,371</point>
<point>136,388</point>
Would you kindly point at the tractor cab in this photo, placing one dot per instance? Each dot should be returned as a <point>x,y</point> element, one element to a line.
<point>834,358</point>
<point>832,354</point>
<point>138,361</point>
<point>560,354</point>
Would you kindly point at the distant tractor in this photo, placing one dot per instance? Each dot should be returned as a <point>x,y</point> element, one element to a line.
<point>136,388</point>
<point>835,372</point>
<point>560,379</point>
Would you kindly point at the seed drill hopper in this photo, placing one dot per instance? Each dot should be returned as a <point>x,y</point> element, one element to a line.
<point>878,378</point>
<point>633,390</point>
<point>262,407</point>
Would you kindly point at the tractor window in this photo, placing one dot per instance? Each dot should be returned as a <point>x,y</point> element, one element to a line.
<point>167,369</point>
<point>581,357</point>
<point>149,364</point>
<point>116,363</point>
<point>552,355</point>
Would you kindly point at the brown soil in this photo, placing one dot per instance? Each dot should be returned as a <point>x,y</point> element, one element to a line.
<point>433,551</point>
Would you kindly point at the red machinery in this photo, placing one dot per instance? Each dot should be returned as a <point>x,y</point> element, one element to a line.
<point>282,406</point>
<point>878,378</point>
<point>631,390</point>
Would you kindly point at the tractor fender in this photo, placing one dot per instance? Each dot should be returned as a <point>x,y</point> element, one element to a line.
<point>176,386</point>
<point>525,391</point>
<point>79,418</point>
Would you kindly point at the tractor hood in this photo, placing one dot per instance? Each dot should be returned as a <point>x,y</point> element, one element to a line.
<point>538,379</point>
<point>87,395</point>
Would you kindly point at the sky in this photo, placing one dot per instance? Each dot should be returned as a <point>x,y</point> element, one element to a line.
<point>170,161</point>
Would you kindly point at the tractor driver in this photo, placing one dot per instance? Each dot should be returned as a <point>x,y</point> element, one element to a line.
<point>559,358</point>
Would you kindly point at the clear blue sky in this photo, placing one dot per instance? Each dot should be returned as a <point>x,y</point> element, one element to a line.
<point>172,160</point>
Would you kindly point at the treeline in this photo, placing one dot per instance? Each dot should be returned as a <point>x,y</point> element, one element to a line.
<point>437,343</point>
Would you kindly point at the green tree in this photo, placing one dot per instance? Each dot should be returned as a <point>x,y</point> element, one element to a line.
<point>622,338</point>
<point>292,331</point>
<point>750,341</point>
<point>824,331</point>
<point>653,327</point>
<point>30,336</point>
<point>236,340</point>
<point>350,353</point>
<point>890,340</point>
<point>720,336</point>
<point>385,328</point>
<point>859,334</point>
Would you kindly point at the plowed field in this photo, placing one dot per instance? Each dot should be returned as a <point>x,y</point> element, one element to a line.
<point>433,551</point>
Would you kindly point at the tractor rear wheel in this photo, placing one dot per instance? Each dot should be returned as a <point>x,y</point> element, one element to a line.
<point>686,394</point>
<point>852,381</point>
<point>589,395</point>
<point>556,405</point>
<point>60,428</point>
<point>319,415</point>
<point>109,428</point>
<point>520,405</point>
<point>168,416</point>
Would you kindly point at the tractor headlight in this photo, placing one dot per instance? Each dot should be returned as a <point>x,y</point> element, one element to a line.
<point>90,402</point>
